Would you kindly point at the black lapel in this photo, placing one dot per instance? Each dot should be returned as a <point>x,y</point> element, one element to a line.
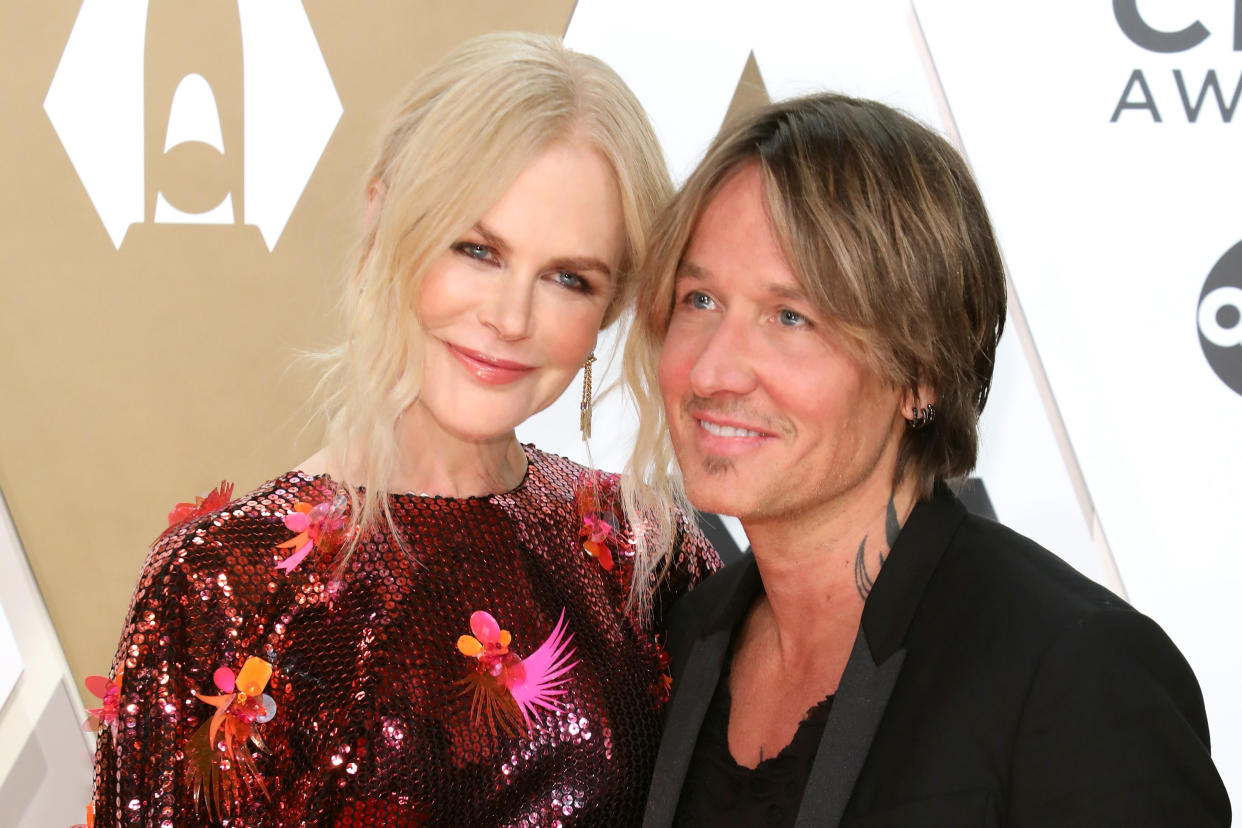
<point>694,687</point>
<point>856,712</point>
<point>876,659</point>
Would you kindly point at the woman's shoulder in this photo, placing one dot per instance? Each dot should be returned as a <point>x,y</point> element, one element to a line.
<point>219,532</point>
<point>563,485</point>
<point>548,471</point>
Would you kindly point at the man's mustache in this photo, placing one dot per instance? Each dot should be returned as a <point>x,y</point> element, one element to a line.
<point>695,407</point>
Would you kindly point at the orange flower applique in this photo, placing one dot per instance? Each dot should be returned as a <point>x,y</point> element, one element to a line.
<point>594,534</point>
<point>90,817</point>
<point>222,768</point>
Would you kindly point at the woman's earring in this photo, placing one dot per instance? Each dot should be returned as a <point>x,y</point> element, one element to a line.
<point>584,408</point>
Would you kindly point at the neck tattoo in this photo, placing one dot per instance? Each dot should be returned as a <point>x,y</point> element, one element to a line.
<point>864,579</point>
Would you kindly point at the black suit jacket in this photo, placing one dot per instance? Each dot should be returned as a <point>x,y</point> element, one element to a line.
<point>989,684</point>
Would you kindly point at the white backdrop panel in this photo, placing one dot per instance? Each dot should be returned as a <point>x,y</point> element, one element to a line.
<point>1110,229</point>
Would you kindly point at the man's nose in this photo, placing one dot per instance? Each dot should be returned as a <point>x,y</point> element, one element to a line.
<point>508,309</point>
<point>725,364</point>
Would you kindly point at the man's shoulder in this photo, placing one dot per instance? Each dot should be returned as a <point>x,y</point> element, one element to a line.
<point>1019,571</point>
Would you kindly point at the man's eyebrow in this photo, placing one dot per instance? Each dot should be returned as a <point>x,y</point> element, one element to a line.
<point>689,270</point>
<point>795,293</point>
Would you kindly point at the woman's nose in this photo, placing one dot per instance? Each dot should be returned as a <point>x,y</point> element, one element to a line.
<point>508,310</point>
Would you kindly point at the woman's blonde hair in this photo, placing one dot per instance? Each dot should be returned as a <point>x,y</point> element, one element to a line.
<point>460,136</point>
<point>885,229</point>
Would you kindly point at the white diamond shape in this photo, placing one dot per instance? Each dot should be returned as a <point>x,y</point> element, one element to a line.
<point>291,110</point>
<point>95,104</point>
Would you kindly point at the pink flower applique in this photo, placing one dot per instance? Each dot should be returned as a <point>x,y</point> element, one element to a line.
<point>594,535</point>
<point>600,535</point>
<point>107,691</point>
<point>316,526</point>
<point>505,690</point>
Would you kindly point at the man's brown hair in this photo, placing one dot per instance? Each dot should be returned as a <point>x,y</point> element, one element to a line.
<point>885,229</point>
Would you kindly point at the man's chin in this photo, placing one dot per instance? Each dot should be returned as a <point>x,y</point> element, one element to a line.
<point>713,486</point>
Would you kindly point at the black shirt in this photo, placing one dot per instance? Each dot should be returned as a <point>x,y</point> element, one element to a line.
<point>720,793</point>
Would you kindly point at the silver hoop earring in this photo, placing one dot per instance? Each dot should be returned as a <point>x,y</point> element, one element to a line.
<point>923,417</point>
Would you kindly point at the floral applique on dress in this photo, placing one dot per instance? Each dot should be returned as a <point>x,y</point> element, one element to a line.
<point>319,526</point>
<point>221,767</point>
<point>506,691</point>
<point>596,497</point>
<point>663,686</point>
<point>108,692</point>
<point>215,499</point>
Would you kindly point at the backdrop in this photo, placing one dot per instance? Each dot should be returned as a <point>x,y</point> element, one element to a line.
<point>184,183</point>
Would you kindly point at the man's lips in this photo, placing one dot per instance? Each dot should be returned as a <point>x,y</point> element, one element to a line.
<point>489,369</point>
<point>717,432</point>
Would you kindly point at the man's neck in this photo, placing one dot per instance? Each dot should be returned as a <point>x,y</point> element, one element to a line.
<point>818,567</point>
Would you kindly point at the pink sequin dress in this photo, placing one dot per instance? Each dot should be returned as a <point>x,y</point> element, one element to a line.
<point>371,724</point>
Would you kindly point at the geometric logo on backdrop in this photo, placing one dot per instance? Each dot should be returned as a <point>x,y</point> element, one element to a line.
<point>1220,318</point>
<point>97,103</point>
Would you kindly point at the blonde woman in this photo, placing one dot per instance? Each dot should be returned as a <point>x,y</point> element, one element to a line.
<point>429,623</point>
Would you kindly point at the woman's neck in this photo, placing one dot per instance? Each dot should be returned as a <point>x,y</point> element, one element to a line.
<point>432,460</point>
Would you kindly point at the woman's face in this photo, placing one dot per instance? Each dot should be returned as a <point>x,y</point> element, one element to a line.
<point>513,307</point>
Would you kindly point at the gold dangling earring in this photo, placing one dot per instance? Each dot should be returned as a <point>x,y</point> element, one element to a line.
<point>584,408</point>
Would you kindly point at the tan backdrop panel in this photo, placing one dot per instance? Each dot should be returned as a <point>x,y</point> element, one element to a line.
<point>137,377</point>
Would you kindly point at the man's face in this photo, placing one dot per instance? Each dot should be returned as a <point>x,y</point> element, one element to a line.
<point>770,416</point>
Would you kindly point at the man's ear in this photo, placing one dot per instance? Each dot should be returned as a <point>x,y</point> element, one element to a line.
<point>916,397</point>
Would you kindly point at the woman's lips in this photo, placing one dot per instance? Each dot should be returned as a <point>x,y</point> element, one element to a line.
<point>487,368</point>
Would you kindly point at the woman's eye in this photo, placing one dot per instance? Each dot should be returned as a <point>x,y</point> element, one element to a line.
<point>791,319</point>
<point>474,250</point>
<point>572,281</point>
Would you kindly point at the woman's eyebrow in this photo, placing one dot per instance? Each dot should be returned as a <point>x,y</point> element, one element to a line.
<point>574,263</point>
<point>582,263</point>
<point>490,236</point>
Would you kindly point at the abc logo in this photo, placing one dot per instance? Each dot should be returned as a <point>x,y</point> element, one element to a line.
<point>1220,318</point>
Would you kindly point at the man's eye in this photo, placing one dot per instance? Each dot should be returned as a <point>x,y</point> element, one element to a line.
<point>792,319</point>
<point>698,300</point>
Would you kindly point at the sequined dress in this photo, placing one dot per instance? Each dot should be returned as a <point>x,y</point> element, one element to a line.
<point>371,724</point>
